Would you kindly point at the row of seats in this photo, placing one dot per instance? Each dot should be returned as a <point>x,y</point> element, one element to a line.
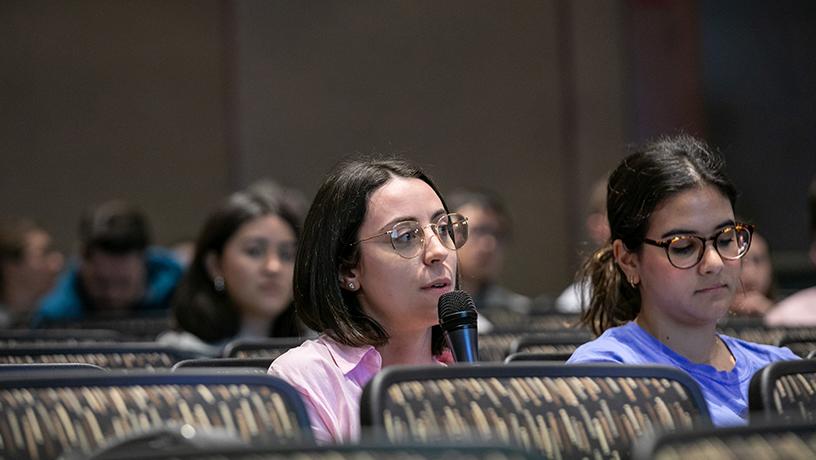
<point>550,410</point>
<point>103,348</point>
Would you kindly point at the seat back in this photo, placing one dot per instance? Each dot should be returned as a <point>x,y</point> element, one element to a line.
<point>264,348</point>
<point>367,451</point>
<point>800,341</point>
<point>554,410</point>
<point>145,326</point>
<point>554,342</point>
<point>257,364</point>
<point>25,337</point>
<point>137,355</point>
<point>784,390</point>
<point>553,357</point>
<point>44,416</point>
<point>752,442</point>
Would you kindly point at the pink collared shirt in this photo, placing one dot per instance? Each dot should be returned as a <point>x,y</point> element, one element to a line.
<point>330,378</point>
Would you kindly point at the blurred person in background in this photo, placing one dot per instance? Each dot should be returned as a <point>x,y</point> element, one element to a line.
<point>482,259</point>
<point>29,265</point>
<point>800,308</point>
<point>755,297</point>
<point>239,283</point>
<point>117,274</point>
<point>597,228</point>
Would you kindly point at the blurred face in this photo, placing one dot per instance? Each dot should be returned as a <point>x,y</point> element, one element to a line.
<point>698,295</point>
<point>482,257</point>
<point>756,267</point>
<point>114,281</point>
<point>39,265</point>
<point>402,294</point>
<point>257,266</point>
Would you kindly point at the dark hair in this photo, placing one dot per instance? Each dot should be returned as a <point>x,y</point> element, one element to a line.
<point>13,234</point>
<point>197,306</point>
<point>812,202</point>
<point>114,227</point>
<point>482,199</point>
<point>641,182</point>
<point>332,223</point>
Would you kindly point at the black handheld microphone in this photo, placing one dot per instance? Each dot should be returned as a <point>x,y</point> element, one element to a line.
<point>457,316</point>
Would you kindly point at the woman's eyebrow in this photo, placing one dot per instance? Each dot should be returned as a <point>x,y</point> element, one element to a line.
<point>682,231</point>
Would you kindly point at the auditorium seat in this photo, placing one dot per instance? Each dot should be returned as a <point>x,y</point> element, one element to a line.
<point>553,357</point>
<point>141,327</point>
<point>44,416</point>
<point>25,337</point>
<point>554,410</point>
<point>800,341</point>
<point>553,342</point>
<point>255,364</point>
<point>784,390</point>
<point>261,348</point>
<point>140,355</point>
<point>368,451</point>
<point>764,441</point>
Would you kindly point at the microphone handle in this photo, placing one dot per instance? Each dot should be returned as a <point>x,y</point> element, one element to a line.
<point>464,344</point>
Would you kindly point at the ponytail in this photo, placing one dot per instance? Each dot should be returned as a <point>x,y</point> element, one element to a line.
<point>612,301</point>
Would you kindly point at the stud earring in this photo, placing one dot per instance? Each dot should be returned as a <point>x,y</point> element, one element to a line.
<point>350,286</point>
<point>218,283</point>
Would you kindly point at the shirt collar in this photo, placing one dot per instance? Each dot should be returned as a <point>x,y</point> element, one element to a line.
<point>349,358</point>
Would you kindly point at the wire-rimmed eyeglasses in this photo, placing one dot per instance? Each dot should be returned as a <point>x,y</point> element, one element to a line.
<point>408,237</point>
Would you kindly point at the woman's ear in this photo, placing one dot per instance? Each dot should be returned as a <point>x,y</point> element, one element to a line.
<point>627,261</point>
<point>213,265</point>
<point>349,279</point>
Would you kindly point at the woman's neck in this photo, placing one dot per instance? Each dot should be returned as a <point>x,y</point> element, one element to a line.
<point>255,326</point>
<point>699,344</point>
<point>407,347</point>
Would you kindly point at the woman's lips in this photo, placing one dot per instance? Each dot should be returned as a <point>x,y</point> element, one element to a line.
<point>713,288</point>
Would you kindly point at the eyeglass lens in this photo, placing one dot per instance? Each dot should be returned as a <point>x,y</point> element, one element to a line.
<point>731,243</point>
<point>408,238</point>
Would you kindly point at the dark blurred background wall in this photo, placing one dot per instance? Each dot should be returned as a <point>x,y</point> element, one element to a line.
<point>172,104</point>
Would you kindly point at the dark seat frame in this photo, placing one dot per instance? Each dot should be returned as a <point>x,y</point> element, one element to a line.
<point>763,382</point>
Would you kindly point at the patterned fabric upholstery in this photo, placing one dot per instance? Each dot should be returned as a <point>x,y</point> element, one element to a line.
<point>800,341</point>
<point>496,346</point>
<point>555,342</point>
<point>26,337</point>
<point>107,355</point>
<point>43,417</point>
<point>555,410</point>
<point>143,327</point>
<point>784,390</point>
<point>344,452</point>
<point>267,348</point>
<point>753,442</point>
<point>507,320</point>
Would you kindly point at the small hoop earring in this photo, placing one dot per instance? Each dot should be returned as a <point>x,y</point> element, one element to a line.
<point>218,283</point>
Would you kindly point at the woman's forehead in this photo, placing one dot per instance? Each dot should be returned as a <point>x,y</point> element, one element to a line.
<point>403,197</point>
<point>696,210</point>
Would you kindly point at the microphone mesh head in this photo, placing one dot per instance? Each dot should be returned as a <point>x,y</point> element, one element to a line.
<point>453,302</point>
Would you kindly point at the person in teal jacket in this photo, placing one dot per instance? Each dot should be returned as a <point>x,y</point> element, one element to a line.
<point>117,274</point>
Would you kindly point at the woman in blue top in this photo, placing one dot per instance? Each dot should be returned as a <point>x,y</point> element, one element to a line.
<point>670,271</point>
